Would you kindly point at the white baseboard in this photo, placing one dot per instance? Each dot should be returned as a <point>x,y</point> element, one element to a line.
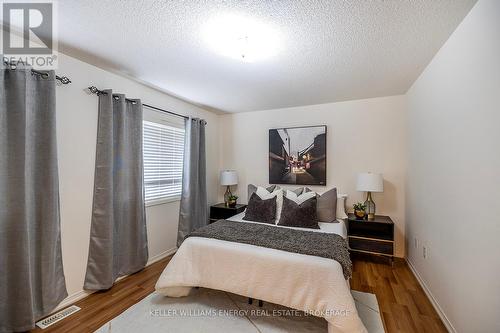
<point>75,297</point>
<point>434,302</point>
<point>160,256</point>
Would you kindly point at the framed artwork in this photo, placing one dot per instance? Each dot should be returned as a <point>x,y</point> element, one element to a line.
<point>297,155</point>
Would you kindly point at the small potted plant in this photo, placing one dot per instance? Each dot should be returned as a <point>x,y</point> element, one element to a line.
<point>359,210</point>
<point>231,200</point>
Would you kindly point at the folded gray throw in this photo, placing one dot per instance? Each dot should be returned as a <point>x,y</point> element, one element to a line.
<point>320,244</point>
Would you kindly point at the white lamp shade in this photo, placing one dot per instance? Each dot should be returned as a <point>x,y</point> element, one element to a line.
<point>370,182</point>
<point>228,177</point>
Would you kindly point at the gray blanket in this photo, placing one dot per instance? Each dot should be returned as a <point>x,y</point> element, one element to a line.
<point>320,244</point>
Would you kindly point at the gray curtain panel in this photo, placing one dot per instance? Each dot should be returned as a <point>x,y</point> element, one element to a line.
<point>31,271</point>
<point>118,239</point>
<point>194,207</point>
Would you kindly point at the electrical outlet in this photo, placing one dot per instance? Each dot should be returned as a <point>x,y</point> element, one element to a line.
<point>424,251</point>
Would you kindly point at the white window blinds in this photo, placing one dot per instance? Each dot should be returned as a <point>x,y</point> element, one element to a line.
<point>163,160</point>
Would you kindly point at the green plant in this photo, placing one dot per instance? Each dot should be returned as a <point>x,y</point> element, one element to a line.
<point>232,197</point>
<point>359,206</point>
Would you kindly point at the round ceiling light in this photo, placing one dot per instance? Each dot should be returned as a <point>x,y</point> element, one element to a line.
<point>241,38</point>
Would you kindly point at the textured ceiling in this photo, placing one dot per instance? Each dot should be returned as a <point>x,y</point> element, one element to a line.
<point>330,50</point>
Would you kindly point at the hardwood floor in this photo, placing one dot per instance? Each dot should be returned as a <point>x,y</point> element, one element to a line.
<point>100,307</point>
<point>403,303</point>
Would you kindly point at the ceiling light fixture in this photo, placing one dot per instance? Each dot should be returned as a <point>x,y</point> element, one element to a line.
<point>241,38</point>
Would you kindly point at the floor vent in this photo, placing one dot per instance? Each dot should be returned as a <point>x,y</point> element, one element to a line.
<point>51,320</point>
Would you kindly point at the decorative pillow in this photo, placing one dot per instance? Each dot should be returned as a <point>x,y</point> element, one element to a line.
<point>260,210</point>
<point>278,193</point>
<point>299,215</point>
<point>341,203</point>
<point>327,205</point>
<point>251,188</point>
<point>299,198</point>
<point>299,190</point>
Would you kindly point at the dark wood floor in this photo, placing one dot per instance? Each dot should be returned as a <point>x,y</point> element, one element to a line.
<point>403,303</point>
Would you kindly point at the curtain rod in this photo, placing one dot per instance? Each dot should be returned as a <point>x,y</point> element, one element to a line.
<point>62,79</point>
<point>94,90</point>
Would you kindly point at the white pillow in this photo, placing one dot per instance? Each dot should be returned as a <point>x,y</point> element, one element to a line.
<point>278,193</point>
<point>298,199</point>
<point>341,199</point>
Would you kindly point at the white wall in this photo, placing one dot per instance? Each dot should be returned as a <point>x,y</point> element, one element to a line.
<point>454,173</point>
<point>363,135</point>
<point>77,130</point>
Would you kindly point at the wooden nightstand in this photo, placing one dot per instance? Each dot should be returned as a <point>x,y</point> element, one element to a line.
<point>371,238</point>
<point>220,211</point>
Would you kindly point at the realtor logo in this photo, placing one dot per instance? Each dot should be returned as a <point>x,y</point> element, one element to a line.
<point>28,34</point>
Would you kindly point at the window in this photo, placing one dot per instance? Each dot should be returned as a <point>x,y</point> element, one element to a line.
<point>163,159</point>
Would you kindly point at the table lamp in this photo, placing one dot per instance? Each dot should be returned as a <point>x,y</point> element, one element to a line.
<point>228,178</point>
<point>370,182</point>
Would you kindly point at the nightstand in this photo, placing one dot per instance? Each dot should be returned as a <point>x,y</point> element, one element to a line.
<point>220,211</point>
<point>374,239</point>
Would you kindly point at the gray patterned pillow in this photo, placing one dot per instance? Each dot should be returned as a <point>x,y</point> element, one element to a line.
<point>299,190</point>
<point>252,189</point>
<point>259,210</point>
<point>295,215</point>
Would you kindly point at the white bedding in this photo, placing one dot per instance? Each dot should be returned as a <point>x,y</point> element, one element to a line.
<point>309,283</point>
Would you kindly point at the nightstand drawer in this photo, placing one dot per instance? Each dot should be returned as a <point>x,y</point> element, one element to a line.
<point>371,230</point>
<point>220,213</point>
<point>371,245</point>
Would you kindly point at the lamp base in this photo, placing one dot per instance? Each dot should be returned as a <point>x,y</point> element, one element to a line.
<point>370,207</point>
<point>227,194</point>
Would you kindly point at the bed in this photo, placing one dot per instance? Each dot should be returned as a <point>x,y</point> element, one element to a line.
<point>309,283</point>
